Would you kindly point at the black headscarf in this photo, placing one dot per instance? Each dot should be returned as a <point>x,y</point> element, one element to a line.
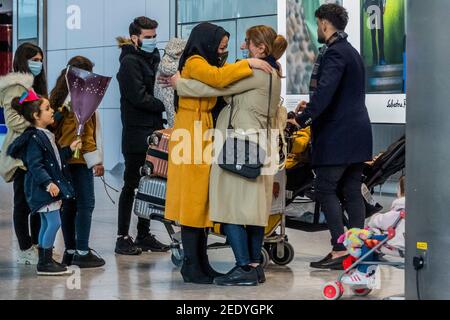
<point>204,41</point>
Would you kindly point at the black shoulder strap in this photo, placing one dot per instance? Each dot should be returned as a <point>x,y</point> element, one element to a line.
<point>230,126</point>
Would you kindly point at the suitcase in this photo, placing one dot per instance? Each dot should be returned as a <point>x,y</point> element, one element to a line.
<point>150,197</point>
<point>158,152</point>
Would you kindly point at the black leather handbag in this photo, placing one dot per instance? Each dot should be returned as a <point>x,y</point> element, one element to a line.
<point>242,156</point>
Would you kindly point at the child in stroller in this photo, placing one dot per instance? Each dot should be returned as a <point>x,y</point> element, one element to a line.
<point>385,235</point>
<point>380,224</point>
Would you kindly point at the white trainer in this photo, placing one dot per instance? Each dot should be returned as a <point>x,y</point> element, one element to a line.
<point>28,257</point>
<point>359,280</point>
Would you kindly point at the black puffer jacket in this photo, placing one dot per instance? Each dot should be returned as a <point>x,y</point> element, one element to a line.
<point>141,112</point>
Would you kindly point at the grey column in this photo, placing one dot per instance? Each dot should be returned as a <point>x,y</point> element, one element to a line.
<point>428,147</point>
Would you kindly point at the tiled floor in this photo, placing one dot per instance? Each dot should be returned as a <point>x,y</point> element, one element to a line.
<point>153,276</point>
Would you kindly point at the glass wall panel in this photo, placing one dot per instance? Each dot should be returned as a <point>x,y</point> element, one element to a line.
<point>233,15</point>
<point>27,19</point>
<point>208,10</point>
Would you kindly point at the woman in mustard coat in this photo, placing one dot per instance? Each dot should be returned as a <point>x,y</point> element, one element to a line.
<point>187,198</point>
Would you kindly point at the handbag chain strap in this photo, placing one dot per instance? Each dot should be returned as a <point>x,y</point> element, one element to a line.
<point>230,126</point>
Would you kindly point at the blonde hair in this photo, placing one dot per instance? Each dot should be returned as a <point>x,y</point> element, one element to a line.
<point>274,43</point>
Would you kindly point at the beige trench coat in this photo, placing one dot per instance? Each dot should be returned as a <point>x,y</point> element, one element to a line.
<point>11,86</point>
<point>233,199</point>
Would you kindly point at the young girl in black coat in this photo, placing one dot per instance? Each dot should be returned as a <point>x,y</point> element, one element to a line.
<point>46,181</point>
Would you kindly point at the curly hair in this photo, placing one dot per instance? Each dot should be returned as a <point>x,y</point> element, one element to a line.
<point>337,15</point>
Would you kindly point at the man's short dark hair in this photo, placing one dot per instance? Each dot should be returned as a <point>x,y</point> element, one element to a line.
<point>335,14</point>
<point>142,23</point>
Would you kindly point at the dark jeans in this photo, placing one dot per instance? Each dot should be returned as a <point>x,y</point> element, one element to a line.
<point>131,178</point>
<point>21,212</point>
<point>246,242</point>
<point>76,217</point>
<point>345,181</point>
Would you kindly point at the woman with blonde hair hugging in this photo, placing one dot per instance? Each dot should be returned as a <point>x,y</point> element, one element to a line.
<point>243,205</point>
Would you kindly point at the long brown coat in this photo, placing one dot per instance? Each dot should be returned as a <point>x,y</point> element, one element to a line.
<point>233,199</point>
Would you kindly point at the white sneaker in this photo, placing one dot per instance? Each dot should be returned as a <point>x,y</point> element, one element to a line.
<point>28,257</point>
<point>358,279</point>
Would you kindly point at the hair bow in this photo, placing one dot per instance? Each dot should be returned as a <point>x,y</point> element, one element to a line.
<point>28,96</point>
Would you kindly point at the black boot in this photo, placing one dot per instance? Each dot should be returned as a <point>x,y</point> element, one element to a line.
<point>191,269</point>
<point>204,261</point>
<point>47,266</point>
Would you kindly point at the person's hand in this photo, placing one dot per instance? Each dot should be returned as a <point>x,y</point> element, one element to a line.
<point>53,190</point>
<point>301,106</point>
<point>76,144</point>
<point>174,79</point>
<point>259,64</point>
<point>293,122</point>
<point>169,81</point>
<point>99,170</point>
<point>164,81</point>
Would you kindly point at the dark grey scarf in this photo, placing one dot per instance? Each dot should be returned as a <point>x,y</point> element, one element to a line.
<point>315,77</point>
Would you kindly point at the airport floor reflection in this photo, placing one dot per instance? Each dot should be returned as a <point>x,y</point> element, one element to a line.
<point>153,276</point>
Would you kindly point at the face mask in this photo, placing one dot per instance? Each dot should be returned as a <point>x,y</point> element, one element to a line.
<point>35,67</point>
<point>223,58</point>
<point>149,45</point>
<point>245,54</point>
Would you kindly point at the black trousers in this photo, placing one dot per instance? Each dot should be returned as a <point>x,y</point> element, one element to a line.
<point>21,213</point>
<point>338,188</point>
<point>131,178</point>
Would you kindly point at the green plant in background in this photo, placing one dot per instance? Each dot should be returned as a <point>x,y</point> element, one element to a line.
<point>394,33</point>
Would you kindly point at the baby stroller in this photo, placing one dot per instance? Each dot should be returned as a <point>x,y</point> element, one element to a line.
<point>334,290</point>
<point>150,203</point>
<point>300,190</point>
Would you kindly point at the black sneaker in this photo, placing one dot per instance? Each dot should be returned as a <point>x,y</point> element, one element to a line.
<point>125,246</point>
<point>67,258</point>
<point>238,276</point>
<point>149,243</point>
<point>89,260</point>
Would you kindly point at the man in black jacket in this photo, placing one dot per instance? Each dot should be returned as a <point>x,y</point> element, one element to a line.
<point>141,114</point>
<point>341,129</point>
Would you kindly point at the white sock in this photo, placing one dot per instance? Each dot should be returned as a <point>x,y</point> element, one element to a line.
<point>70,251</point>
<point>82,253</point>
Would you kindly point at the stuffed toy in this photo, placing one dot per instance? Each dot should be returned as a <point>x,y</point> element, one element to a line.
<point>354,239</point>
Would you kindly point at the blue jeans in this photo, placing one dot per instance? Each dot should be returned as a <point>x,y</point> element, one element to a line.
<point>77,214</point>
<point>50,223</point>
<point>246,242</point>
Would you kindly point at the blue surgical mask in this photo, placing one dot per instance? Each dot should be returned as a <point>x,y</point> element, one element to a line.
<point>149,45</point>
<point>35,67</point>
<point>245,54</point>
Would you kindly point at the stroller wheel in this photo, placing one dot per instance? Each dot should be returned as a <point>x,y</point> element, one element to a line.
<point>287,257</point>
<point>332,291</point>
<point>177,258</point>
<point>268,247</point>
<point>361,292</point>
<point>265,258</point>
